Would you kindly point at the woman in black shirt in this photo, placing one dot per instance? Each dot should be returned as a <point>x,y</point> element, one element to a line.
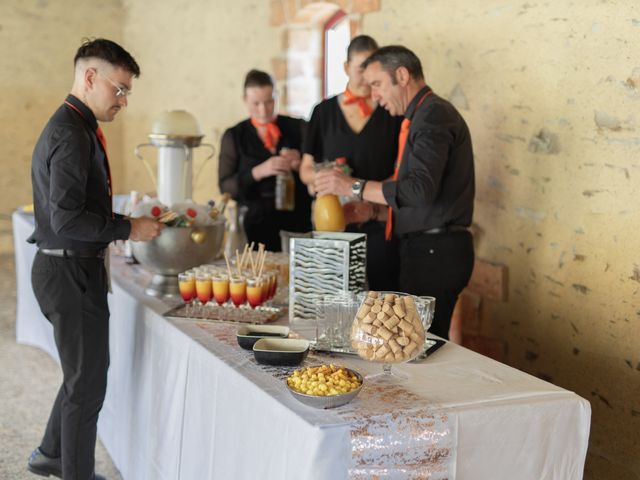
<point>252,154</point>
<point>352,126</point>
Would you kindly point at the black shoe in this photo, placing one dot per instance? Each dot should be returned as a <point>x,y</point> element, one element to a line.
<point>99,477</point>
<point>44,466</point>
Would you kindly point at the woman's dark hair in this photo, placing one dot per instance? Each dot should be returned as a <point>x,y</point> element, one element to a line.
<point>257,78</point>
<point>393,57</point>
<point>108,51</point>
<point>361,43</point>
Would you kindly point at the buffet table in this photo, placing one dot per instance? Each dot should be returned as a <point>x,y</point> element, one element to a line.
<point>185,402</point>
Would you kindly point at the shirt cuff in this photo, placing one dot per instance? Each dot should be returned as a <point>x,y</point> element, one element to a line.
<point>122,229</point>
<point>246,180</point>
<point>389,191</point>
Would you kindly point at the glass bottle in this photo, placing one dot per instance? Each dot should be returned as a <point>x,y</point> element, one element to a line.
<point>285,199</point>
<point>285,192</point>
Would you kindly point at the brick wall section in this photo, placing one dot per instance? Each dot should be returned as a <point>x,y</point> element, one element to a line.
<point>488,283</point>
<point>298,72</point>
<point>302,23</point>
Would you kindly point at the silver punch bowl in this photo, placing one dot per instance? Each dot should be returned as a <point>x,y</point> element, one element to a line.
<point>175,250</point>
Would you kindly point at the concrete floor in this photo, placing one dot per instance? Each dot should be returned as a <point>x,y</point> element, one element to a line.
<point>29,380</point>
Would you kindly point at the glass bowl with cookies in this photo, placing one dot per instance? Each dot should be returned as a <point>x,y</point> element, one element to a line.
<point>391,328</point>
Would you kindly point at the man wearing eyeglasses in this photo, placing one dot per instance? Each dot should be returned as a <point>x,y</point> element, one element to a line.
<point>74,224</point>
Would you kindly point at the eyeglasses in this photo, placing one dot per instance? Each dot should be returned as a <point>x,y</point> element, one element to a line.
<point>120,91</point>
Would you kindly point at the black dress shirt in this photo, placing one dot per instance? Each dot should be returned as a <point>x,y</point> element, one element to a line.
<point>371,153</point>
<point>436,183</point>
<point>69,176</point>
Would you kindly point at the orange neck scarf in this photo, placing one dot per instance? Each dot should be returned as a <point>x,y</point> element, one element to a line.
<point>350,97</point>
<point>272,134</point>
<point>402,141</point>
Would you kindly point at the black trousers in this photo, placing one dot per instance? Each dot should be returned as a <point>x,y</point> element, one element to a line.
<point>437,265</point>
<point>72,294</point>
<point>382,256</point>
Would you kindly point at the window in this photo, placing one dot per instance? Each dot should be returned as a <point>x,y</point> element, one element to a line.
<point>337,35</point>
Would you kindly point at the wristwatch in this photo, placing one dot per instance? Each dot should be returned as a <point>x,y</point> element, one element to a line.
<point>357,188</point>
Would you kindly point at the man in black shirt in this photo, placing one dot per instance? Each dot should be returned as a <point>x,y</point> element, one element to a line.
<point>430,197</point>
<point>74,224</point>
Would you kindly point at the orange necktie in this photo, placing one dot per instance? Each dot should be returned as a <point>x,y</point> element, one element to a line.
<point>402,141</point>
<point>350,97</point>
<point>103,142</point>
<point>272,134</point>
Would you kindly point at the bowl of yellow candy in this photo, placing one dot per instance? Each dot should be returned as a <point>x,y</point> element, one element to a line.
<point>325,386</point>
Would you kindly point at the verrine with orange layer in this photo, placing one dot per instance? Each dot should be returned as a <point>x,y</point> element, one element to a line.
<point>187,286</point>
<point>204,289</point>
<point>254,292</point>
<point>220,283</point>
<point>238,290</point>
<point>264,283</point>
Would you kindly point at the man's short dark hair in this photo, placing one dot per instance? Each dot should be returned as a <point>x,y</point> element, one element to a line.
<point>257,78</point>
<point>361,43</point>
<point>108,51</point>
<point>393,57</point>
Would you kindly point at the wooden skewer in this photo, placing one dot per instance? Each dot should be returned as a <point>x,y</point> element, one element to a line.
<point>226,259</point>
<point>264,255</point>
<point>243,259</point>
<point>253,265</point>
<point>238,263</point>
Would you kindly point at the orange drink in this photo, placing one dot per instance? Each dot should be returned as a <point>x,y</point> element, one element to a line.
<point>264,283</point>
<point>328,215</point>
<point>238,289</point>
<point>187,286</point>
<point>254,292</point>
<point>220,284</point>
<point>204,289</point>
<point>273,284</point>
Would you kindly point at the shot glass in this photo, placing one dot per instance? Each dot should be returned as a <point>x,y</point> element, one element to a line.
<point>204,288</point>
<point>254,292</point>
<point>238,290</point>
<point>220,284</point>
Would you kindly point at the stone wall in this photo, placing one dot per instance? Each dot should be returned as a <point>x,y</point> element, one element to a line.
<point>37,43</point>
<point>551,92</point>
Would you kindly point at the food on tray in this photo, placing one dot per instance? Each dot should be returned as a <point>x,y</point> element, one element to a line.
<point>323,381</point>
<point>387,328</point>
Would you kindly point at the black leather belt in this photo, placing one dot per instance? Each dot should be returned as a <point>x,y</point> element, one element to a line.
<point>63,252</point>
<point>435,231</point>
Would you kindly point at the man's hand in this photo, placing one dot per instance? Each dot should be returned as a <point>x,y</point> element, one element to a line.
<point>272,166</point>
<point>359,212</point>
<point>144,229</point>
<point>333,181</point>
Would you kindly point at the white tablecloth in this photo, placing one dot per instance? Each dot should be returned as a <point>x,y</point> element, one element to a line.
<point>184,402</point>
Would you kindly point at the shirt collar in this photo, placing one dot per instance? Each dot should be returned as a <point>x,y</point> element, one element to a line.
<point>87,114</point>
<point>413,105</point>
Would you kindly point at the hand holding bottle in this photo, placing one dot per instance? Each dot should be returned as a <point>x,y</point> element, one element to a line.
<point>275,165</point>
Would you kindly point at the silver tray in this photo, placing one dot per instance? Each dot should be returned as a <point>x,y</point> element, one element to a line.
<point>259,315</point>
<point>430,346</point>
